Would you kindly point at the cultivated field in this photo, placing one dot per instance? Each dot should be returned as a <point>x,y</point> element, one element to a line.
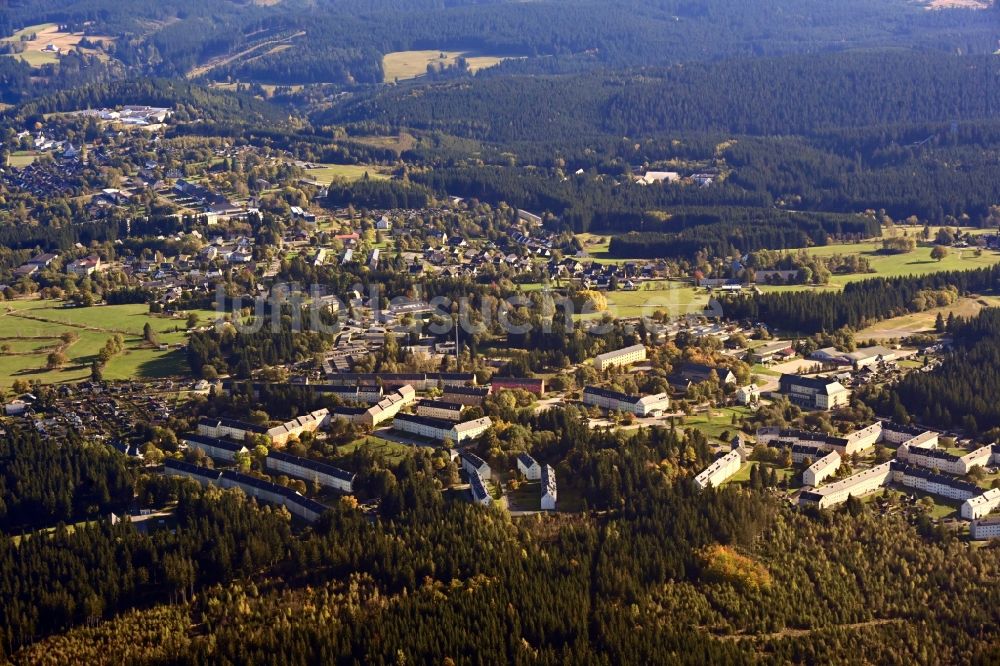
<point>32,329</point>
<point>47,34</point>
<point>403,65</point>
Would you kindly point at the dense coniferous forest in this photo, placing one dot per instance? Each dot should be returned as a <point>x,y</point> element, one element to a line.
<point>735,232</point>
<point>658,570</point>
<point>79,481</point>
<point>959,392</point>
<point>860,303</point>
<point>789,124</point>
<point>791,95</point>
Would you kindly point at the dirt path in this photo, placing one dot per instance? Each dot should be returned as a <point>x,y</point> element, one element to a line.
<point>219,61</point>
<point>795,633</point>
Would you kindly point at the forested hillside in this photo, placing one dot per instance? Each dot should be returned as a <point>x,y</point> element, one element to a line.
<point>721,576</point>
<point>342,42</point>
<point>957,394</point>
<point>793,95</point>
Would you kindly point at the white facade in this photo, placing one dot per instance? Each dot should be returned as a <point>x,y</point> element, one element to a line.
<point>981,505</point>
<point>473,464</point>
<point>720,470</point>
<point>620,402</point>
<point>985,528</point>
<point>218,449</point>
<point>944,461</point>
<point>857,485</point>
<point>549,493</point>
<point>863,439</point>
<point>749,394</point>
<point>389,406</point>
<point>440,410</point>
<point>820,470</point>
<point>529,467</point>
<point>303,468</point>
<point>620,357</point>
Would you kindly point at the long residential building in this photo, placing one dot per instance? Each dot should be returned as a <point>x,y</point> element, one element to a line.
<point>311,422</point>
<point>473,464</point>
<point>439,409</point>
<point>297,505</point>
<point>620,357</point>
<point>944,461</point>
<point>219,449</point>
<point>549,490</point>
<point>278,435</point>
<point>621,402</point>
<point>323,474</point>
<point>202,475</point>
<point>389,406</point>
<point>802,452</point>
<point>231,428</point>
<point>719,471</point>
<point>855,485</point>
<point>470,396</point>
<point>981,505</point>
<point>910,476</point>
<point>852,443</point>
<point>365,393</point>
<point>820,470</point>
<point>536,386</point>
<point>893,471</point>
<point>477,488</point>
<point>985,528</point>
<point>441,429</point>
<point>814,392</point>
<point>420,381</point>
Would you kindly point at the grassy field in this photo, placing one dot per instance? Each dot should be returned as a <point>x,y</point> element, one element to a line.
<point>394,452</point>
<point>33,329</point>
<point>327,173</point>
<point>923,322</point>
<point>716,421</point>
<point>46,34</point>
<point>403,65</point>
<point>743,476</point>
<point>400,143</point>
<point>676,298</point>
<point>22,158</point>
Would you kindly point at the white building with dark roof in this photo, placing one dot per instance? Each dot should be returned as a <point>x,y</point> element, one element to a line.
<point>814,392</point>
<point>981,505</point>
<point>822,469</point>
<point>440,409</point>
<point>219,449</point>
<point>614,401</point>
<point>473,465</point>
<point>620,357</point>
<point>549,490</point>
<point>721,470</point>
<point>529,467</point>
<point>320,473</point>
<point>985,528</point>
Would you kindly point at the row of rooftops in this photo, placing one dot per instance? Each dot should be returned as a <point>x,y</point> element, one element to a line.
<point>891,467</point>
<point>235,447</point>
<point>214,476</point>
